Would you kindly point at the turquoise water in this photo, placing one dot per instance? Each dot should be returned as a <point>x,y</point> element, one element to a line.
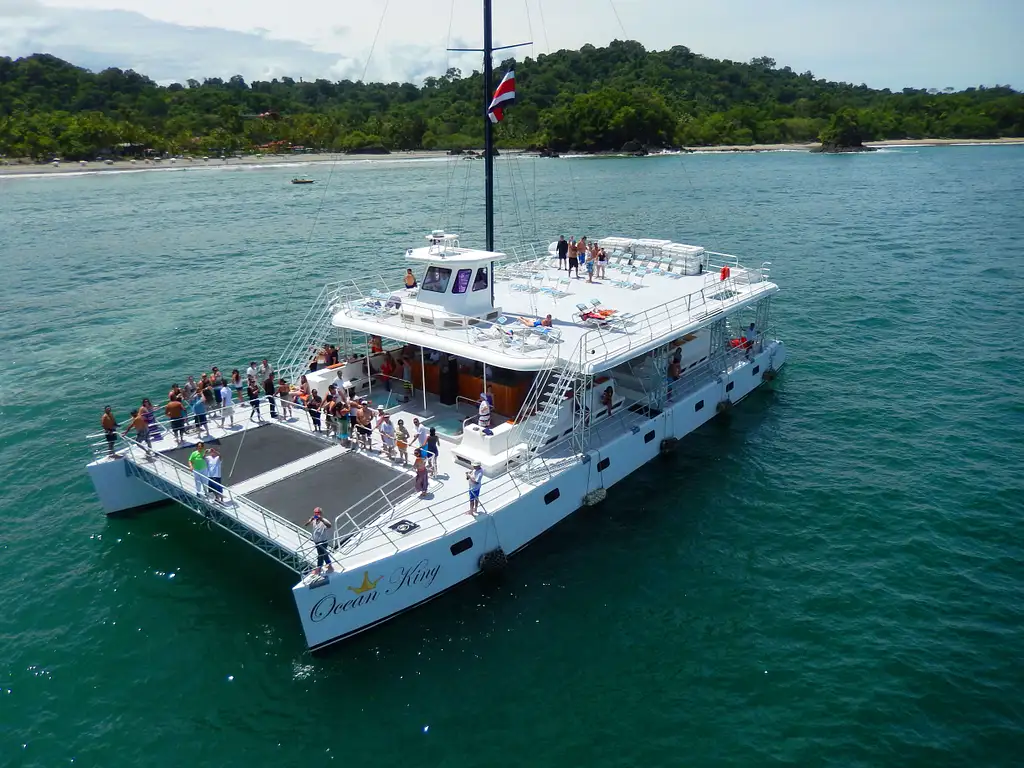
<point>831,574</point>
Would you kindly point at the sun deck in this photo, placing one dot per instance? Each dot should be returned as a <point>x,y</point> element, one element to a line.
<point>649,307</point>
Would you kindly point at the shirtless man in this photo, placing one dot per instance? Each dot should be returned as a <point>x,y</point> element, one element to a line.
<point>574,259</point>
<point>175,411</point>
<point>109,424</point>
<point>138,423</point>
<point>364,428</point>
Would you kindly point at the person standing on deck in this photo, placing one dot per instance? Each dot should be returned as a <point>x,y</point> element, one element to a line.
<point>109,424</point>
<point>175,411</point>
<point>433,451</point>
<point>213,473</point>
<point>268,390</point>
<point>320,538</point>
<point>227,403</point>
<point>284,394</point>
<point>189,389</point>
<point>421,433</point>
<point>364,426</point>
<point>313,405</point>
<point>406,380</point>
<point>252,391</point>
<point>138,423</point>
<point>265,371</point>
<point>402,439</point>
<point>250,372</point>
<point>420,465</point>
<point>197,460</point>
<point>475,477</point>
<point>751,336</point>
<point>574,259</point>
<point>199,414</point>
<point>387,436</point>
<point>563,252</point>
<point>217,379</point>
<point>483,418</point>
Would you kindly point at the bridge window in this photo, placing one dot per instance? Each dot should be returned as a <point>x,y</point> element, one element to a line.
<point>480,284</point>
<point>462,281</point>
<point>436,279</point>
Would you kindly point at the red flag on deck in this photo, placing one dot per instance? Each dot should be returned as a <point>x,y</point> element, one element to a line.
<point>504,96</point>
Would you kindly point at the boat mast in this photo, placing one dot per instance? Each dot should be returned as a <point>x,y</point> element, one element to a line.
<point>488,131</point>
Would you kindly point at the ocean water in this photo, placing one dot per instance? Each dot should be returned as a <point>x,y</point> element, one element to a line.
<point>832,574</point>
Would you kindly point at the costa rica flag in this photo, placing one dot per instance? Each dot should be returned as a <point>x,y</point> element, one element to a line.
<point>504,96</point>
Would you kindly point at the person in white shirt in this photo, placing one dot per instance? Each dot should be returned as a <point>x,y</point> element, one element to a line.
<point>475,477</point>
<point>265,372</point>
<point>387,435</point>
<point>251,370</point>
<point>421,433</point>
<point>751,336</point>
<point>320,538</point>
<point>227,405</point>
<point>214,475</point>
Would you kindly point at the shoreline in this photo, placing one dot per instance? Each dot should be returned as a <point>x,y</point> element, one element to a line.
<point>27,168</point>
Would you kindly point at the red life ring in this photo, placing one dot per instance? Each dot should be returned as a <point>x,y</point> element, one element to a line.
<point>725,273</point>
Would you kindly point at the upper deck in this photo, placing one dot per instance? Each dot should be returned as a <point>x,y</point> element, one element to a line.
<point>648,300</point>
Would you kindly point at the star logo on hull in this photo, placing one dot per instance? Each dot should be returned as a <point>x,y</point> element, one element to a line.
<point>367,585</point>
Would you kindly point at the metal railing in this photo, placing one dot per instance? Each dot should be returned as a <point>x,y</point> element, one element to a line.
<point>373,538</point>
<point>261,527</point>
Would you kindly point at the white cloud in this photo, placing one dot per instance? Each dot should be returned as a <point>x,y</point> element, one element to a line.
<point>913,42</point>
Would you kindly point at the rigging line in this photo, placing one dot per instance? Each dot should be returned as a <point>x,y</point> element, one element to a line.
<point>712,233</point>
<point>513,168</point>
<point>380,26</point>
<point>529,26</point>
<point>575,195</point>
<point>515,198</point>
<point>616,12</point>
<point>449,173</point>
<point>448,41</point>
<point>543,26</point>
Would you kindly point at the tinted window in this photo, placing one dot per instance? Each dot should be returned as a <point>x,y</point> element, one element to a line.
<point>603,464</point>
<point>461,546</point>
<point>480,284</point>
<point>436,279</point>
<point>462,281</point>
<point>551,496</point>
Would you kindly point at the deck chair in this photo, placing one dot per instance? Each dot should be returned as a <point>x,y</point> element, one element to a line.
<point>625,280</point>
<point>638,278</point>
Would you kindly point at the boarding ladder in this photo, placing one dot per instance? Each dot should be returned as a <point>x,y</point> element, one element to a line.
<point>552,387</point>
<point>310,334</point>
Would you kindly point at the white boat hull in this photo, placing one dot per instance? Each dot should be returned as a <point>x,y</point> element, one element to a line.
<point>354,601</point>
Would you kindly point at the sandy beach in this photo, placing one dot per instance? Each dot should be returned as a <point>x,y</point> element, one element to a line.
<point>24,166</point>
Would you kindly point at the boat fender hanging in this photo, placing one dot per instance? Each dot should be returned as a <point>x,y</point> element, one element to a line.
<point>493,561</point>
<point>669,444</point>
<point>724,406</point>
<point>596,496</point>
<point>726,272</point>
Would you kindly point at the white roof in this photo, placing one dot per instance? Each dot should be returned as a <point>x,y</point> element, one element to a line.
<point>448,255</point>
<point>662,308</point>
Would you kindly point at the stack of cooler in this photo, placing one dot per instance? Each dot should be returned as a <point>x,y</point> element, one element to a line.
<point>686,259</point>
<point>649,248</point>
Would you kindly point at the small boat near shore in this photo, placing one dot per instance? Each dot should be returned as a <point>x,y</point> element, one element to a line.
<point>303,180</point>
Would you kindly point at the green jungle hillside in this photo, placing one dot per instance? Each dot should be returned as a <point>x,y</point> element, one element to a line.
<point>594,99</point>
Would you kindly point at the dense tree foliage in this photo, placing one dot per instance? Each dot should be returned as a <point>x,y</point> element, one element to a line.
<point>590,99</point>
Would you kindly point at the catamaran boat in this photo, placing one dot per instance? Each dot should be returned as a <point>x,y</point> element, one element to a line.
<point>585,382</point>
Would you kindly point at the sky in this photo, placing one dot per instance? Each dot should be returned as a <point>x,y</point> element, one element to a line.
<point>883,43</point>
